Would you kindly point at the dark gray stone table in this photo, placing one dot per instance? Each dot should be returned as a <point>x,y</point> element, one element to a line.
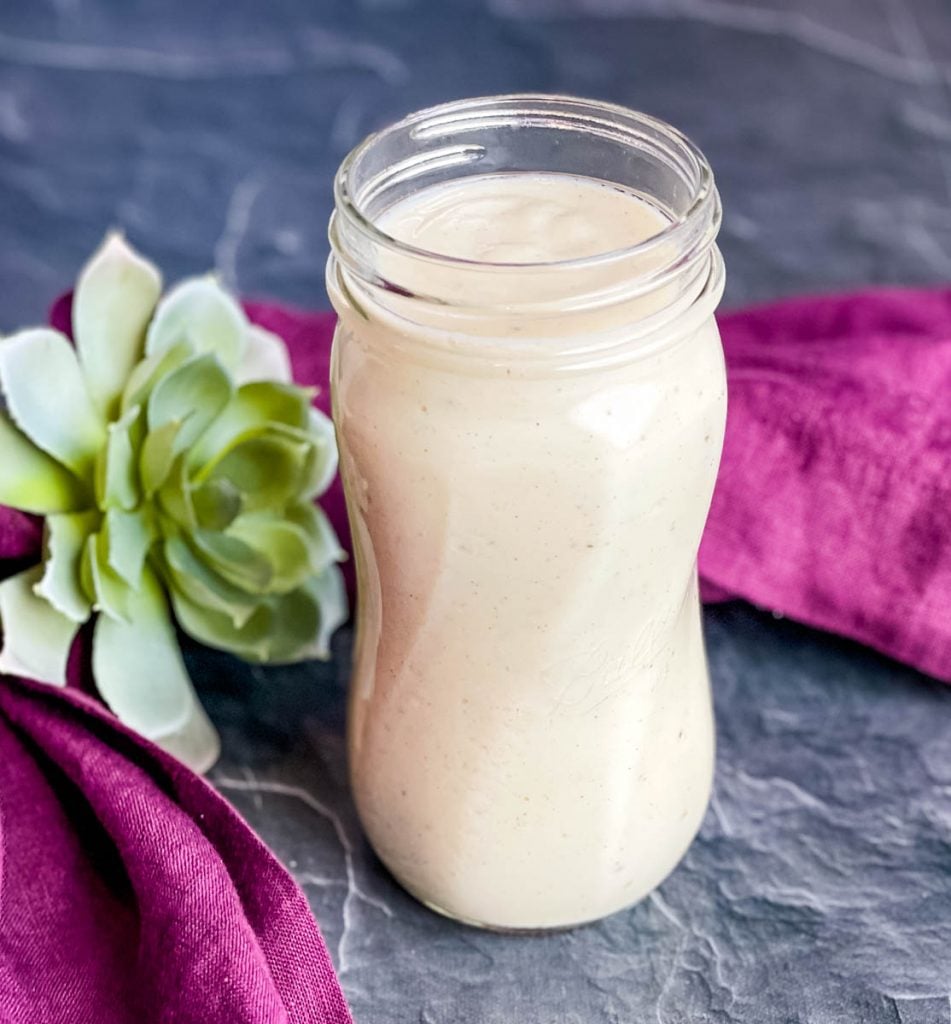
<point>820,887</point>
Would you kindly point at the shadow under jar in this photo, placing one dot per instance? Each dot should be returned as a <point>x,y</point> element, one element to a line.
<point>529,396</point>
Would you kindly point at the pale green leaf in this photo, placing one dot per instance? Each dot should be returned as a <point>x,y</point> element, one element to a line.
<point>200,311</point>
<point>284,544</point>
<point>284,629</point>
<point>235,560</point>
<point>115,296</point>
<point>323,545</point>
<point>295,626</point>
<point>217,504</point>
<point>253,407</point>
<point>128,537</point>
<point>33,481</point>
<point>330,592</point>
<point>322,460</point>
<point>265,358</point>
<point>117,472</point>
<point>47,398</point>
<point>64,539</point>
<point>249,640</point>
<point>200,584</point>
<point>288,627</point>
<point>140,674</point>
<point>158,456</point>
<point>266,469</point>
<point>175,497</point>
<point>195,742</point>
<point>194,395</point>
<point>112,593</point>
<point>151,369</point>
<point>36,637</point>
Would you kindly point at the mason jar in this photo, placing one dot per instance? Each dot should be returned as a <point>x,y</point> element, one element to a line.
<point>529,397</point>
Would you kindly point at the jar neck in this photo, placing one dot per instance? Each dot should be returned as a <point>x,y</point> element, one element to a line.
<point>406,328</point>
<point>643,291</point>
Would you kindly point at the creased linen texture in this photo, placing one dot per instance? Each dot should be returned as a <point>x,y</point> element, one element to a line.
<point>131,891</point>
<point>833,503</point>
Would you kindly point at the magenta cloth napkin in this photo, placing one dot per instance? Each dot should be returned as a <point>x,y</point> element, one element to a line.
<point>130,891</point>
<point>833,504</point>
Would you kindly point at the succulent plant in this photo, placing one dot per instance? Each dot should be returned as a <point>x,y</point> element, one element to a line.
<point>177,466</point>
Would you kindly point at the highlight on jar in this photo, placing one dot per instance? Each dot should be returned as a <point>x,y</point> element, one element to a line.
<point>529,397</point>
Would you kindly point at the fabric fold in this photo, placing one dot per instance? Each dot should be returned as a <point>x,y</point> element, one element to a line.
<point>833,503</point>
<point>131,891</point>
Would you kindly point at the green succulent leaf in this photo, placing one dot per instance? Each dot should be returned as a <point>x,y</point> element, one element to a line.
<point>36,637</point>
<point>202,312</point>
<point>158,456</point>
<point>199,583</point>
<point>152,369</point>
<point>193,394</point>
<point>323,547</point>
<point>140,674</point>
<point>65,537</point>
<point>117,475</point>
<point>33,481</point>
<point>234,560</point>
<point>266,469</point>
<point>115,296</point>
<point>111,592</point>
<point>249,640</point>
<point>47,399</point>
<point>287,628</point>
<point>217,504</point>
<point>175,497</point>
<point>330,594</point>
<point>322,460</point>
<point>127,539</point>
<point>295,626</point>
<point>265,358</point>
<point>253,407</point>
<point>283,544</point>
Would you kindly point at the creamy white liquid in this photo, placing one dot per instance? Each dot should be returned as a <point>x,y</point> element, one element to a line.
<point>530,732</point>
<point>522,218</point>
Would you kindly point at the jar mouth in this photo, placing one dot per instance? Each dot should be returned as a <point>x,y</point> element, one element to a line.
<point>360,190</point>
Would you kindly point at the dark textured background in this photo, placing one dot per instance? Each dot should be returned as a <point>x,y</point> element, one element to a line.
<point>820,887</point>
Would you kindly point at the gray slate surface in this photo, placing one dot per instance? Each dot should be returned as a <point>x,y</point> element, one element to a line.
<point>820,887</point>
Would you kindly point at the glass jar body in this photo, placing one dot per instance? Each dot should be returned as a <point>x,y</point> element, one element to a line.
<point>530,729</point>
<point>531,742</point>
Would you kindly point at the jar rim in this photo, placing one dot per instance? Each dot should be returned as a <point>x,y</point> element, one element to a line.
<point>701,215</point>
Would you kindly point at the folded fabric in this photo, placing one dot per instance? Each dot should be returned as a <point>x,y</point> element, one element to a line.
<point>130,891</point>
<point>833,503</point>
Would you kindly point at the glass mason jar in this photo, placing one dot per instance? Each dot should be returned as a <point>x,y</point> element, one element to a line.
<point>528,451</point>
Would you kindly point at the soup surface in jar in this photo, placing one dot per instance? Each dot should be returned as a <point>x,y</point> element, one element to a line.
<point>518,217</point>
